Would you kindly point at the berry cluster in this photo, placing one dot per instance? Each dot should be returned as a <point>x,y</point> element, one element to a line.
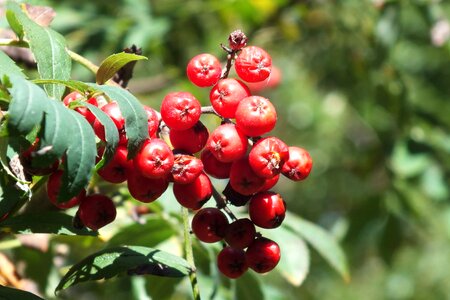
<point>182,151</point>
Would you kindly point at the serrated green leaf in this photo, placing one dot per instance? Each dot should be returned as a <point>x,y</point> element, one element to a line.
<point>8,66</point>
<point>248,287</point>
<point>111,133</point>
<point>132,260</point>
<point>71,84</point>
<point>114,63</point>
<point>48,47</point>
<point>136,125</point>
<point>7,293</point>
<point>27,106</point>
<point>138,234</point>
<point>322,241</point>
<point>80,157</point>
<point>48,222</point>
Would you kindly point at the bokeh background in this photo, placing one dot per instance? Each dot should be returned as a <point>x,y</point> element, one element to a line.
<point>365,88</point>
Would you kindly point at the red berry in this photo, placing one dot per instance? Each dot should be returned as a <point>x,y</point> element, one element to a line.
<point>270,183</point>
<point>96,211</point>
<point>53,189</point>
<point>113,111</point>
<point>267,209</point>
<point>209,225</point>
<point>213,167</point>
<point>204,70</point>
<point>263,255</point>
<point>272,81</point>
<point>180,110</point>
<point>232,262</point>
<point>240,233</point>
<point>243,179</point>
<point>152,120</point>
<point>255,116</point>
<point>84,111</point>
<point>268,156</point>
<point>186,168</point>
<point>190,140</point>
<point>146,189</point>
<point>299,164</point>
<point>226,95</point>
<point>227,143</point>
<point>193,195</point>
<point>154,159</point>
<point>118,167</point>
<point>253,64</point>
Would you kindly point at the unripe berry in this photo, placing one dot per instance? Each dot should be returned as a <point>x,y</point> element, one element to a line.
<point>209,225</point>
<point>204,70</point>
<point>263,255</point>
<point>232,262</point>
<point>253,64</point>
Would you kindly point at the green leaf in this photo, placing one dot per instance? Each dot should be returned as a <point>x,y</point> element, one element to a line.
<point>15,24</point>
<point>8,66</point>
<point>7,293</point>
<point>76,85</point>
<point>130,260</point>
<point>136,125</point>
<point>138,234</point>
<point>111,133</point>
<point>12,194</point>
<point>28,102</point>
<point>248,287</point>
<point>322,241</point>
<point>80,156</point>
<point>47,222</point>
<point>114,63</point>
<point>48,47</point>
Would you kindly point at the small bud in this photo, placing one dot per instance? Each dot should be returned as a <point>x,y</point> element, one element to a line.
<point>237,40</point>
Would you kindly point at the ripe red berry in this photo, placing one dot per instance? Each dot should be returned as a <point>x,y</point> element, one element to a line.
<point>193,195</point>
<point>267,209</point>
<point>190,140</point>
<point>96,211</point>
<point>180,110</point>
<point>154,159</point>
<point>84,111</point>
<point>213,167</point>
<point>232,262</point>
<point>146,189</point>
<point>54,187</point>
<point>118,168</point>
<point>227,143</point>
<point>270,183</point>
<point>186,168</point>
<point>243,179</point>
<point>263,255</point>
<point>253,64</point>
<point>299,164</point>
<point>226,95</point>
<point>268,156</point>
<point>255,116</point>
<point>209,225</point>
<point>240,233</point>
<point>204,70</point>
<point>152,120</point>
<point>113,111</point>
<point>272,81</point>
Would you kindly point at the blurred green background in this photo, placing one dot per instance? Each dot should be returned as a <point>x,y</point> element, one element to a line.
<point>365,88</point>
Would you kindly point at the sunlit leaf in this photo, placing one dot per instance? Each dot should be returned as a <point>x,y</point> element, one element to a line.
<point>114,63</point>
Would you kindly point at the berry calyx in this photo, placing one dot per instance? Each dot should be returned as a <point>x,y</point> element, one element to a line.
<point>263,255</point>
<point>255,116</point>
<point>299,164</point>
<point>154,159</point>
<point>204,70</point>
<point>209,225</point>
<point>267,209</point>
<point>180,110</point>
<point>96,211</point>
<point>232,262</point>
<point>253,64</point>
<point>237,40</point>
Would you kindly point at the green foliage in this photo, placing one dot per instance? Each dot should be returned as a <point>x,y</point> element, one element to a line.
<point>114,63</point>
<point>7,293</point>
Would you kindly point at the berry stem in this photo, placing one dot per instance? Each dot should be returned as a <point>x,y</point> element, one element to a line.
<point>221,202</point>
<point>209,110</point>
<point>189,254</point>
<point>230,58</point>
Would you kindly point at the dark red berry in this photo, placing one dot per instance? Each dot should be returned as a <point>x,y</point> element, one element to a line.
<point>263,255</point>
<point>204,70</point>
<point>146,189</point>
<point>180,110</point>
<point>209,225</point>
<point>226,95</point>
<point>53,190</point>
<point>268,156</point>
<point>253,64</point>
<point>255,116</point>
<point>299,164</point>
<point>117,169</point>
<point>214,167</point>
<point>186,168</point>
<point>84,111</point>
<point>237,40</point>
<point>190,140</point>
<point>267,209</point>
<point>96,211</point>
<point>240,233</point>
<point>243,179</point>
<point>227,143</point>
<point>232,262</point>
<point>193,195</point>
<point>154,159</point>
